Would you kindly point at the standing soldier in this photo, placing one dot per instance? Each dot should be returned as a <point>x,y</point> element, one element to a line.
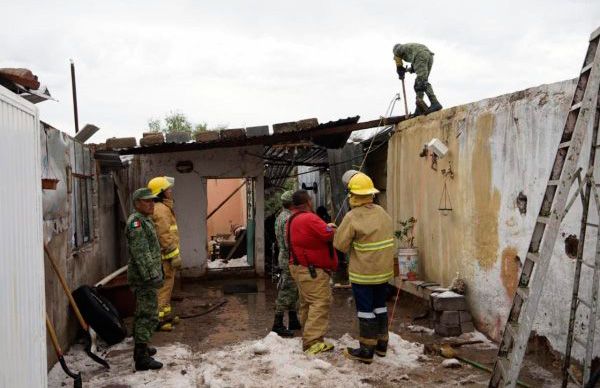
<point>366,232</point>
<point>145,275</point>
<point>311,262</point>
<point>168,236</point>
<point>287,297</point>
<point>422,60</point>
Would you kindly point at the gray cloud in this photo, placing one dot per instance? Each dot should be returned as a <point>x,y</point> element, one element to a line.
<point>250,63</point>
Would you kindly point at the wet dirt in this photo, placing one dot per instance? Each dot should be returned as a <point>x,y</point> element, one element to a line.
<point>249,316</point>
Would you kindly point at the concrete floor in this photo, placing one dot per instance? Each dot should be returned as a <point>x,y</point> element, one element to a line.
<point>247,316</point>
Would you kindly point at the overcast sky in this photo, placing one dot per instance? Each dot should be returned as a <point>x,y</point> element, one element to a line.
<point>245,63</point>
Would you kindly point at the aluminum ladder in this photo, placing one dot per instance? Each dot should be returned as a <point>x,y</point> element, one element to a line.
<point>552,211</point>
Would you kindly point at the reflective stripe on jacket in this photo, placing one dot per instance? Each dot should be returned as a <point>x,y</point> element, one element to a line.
<point>166,229</point>
<point>366,233</point>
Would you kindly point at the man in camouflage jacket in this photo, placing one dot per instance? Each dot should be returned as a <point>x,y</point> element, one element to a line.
<point>287,296</point>
<point>422,60</point>
<point>145,276</point>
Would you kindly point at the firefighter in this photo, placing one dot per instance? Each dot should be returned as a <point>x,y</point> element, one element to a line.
<point>168,235</point>
<point>312,259</point>
<point>366,233</point>
<point>144,275</point>
<point>287,295</point>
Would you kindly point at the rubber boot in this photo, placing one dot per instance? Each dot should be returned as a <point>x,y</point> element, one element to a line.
<point>293,322</point>
<point>279,328</point>
<point>421,108</point>
<point>142,359</point>
<point>381,348</point>
<point>363,354</point>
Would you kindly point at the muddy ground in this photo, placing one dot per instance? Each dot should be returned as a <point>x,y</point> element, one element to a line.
<point>250,316</point>
<point>196,353</point>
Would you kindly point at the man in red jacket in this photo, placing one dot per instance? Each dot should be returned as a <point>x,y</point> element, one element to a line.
<point>312,259</point>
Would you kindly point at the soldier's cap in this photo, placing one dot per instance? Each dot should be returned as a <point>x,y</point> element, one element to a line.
<point>143,193</point>
<point>287,196</point>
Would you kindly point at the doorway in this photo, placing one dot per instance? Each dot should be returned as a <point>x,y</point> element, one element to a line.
<point>230,223</point>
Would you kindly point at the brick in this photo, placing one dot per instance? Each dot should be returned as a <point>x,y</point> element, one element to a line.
<point>207,136</point>
<point>447,331</point>
<point>465,316</point>
<point>262,130</point>
<point>179,137</point>
<point>152,139</point>
<point>443,302</point>
<point>449,318</point>
<point>120,142</point>
<point>467,327</point>
<point>231,134</point>
<point>307,123</point>
<point>285,127</point>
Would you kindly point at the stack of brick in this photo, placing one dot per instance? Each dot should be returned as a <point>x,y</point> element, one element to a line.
<point>152,138</point>
<point>451,316</point>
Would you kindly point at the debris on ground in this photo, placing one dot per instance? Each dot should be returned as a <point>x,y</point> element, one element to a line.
<point>420,329</point>
<point>271,361</point>
<point>451,363</point>
<point>231,263</point>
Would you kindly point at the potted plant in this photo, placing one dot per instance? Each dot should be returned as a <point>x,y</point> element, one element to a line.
<point>408,260</point>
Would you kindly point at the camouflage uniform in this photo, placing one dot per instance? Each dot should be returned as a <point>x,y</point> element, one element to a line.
<point>287,297</point>
<point>421,60</point>
<point>144,274</point>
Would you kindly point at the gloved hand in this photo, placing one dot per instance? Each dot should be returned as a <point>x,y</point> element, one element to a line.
<point>176,262</point>
<point>411,69</point>
<point>157,282</point>
<point>401,71</point>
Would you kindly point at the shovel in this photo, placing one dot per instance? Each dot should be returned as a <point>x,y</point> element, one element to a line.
<point>90,339</point>
<point>75,376</point>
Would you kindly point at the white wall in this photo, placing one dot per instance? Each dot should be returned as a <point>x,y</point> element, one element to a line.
<point>22,329</point>
<point>499,147</point>
<point>190,195</point>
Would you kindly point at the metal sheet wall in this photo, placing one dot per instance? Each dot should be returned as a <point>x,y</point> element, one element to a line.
<point>22,330</point>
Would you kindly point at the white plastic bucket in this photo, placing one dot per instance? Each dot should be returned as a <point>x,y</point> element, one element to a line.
<point>408,263</point>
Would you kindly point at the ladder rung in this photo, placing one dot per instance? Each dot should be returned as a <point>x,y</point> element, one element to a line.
<point>553,182</point>
<point>533,257</point>
<point>523,292</point>
<point>543,220</point>
<point>585,303</point>
<point>587,264</point>
<point>512,329</point>
<point>503,365</point>
<point>592,225</point>
<point>576,106</point>
<point>579,341</point>
<point>587,68</point>
<point>566,144</point>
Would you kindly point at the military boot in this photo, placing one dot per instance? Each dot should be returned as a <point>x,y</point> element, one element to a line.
<point>381,348</point>
<point>151,351</point>
<point>421,108</point>
<point>293,322</point>
<point>142,359</point>
<point>435,105</point>
<point>279,327</point>
<point>363,354</point>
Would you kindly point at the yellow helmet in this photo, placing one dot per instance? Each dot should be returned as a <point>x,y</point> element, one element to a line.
<point>159,184</point>
<point>361,184</point>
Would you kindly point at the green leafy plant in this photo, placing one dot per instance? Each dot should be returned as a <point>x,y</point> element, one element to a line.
<point>406,235</point>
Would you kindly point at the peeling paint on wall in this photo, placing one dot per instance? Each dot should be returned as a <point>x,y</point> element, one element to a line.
<point>510,270</point>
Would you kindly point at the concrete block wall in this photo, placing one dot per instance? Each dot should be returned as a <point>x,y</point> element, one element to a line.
<point>500,151</point>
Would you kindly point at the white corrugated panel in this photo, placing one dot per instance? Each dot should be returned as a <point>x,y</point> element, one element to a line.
<point>22,302</point>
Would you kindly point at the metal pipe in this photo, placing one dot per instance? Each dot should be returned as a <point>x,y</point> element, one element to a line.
<point>74,89</point>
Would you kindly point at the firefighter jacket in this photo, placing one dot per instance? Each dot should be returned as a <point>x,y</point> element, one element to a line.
<point>366,233</point>
<point>166,229</point>
<point>144,251</point>
<point>309,241</point>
